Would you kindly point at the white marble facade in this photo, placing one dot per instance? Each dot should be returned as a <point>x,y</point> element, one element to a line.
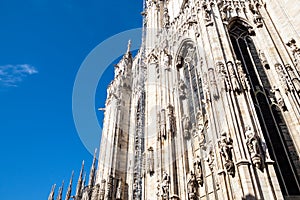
<point>210,106</point>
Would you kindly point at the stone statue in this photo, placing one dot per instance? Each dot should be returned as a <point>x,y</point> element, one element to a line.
<point>186,126</point>
<point>278,97</point>
<point>198,170</point>
<point>182,89</point>
<point>119,190</point>
<point>242,75</point>
<point>192,186</point>
<point>233,78</point>
<point>225,146</point>
<point>253,144</point>
<point>166,20</point>
<point>165,186</point>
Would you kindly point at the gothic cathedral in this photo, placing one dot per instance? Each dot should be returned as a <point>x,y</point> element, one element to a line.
<point>208,109</point>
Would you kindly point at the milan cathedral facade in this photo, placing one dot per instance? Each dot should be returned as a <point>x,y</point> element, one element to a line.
<point>209,108</point>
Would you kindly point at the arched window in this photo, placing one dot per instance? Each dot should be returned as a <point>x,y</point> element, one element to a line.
<point>190,83</point>
<point>276,133</point>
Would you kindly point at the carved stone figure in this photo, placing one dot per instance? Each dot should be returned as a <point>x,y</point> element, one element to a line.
<point>278,97</point>
<point>242,75</point>
<point>210,158</point>
<point>198,170</point>
<point>253,144</point>
<point>182,89</point>
<point>102,190</point>
<point>109,186</point>
<point>150,161</point>
<point>233,78</point>
<point>172,122</point>
<point>192,186</point>
<point>293,77</point>
<point>282,77</point>
<point>224,76</point>
<point>295,52</point>
<point>166,19</point>
<point>165,185</point>
<point>163,124</point>
<point>206,13</point>
<point>225,146</point>
<point>119,190</point>
<point>186,126</point>
<point>263,59</point>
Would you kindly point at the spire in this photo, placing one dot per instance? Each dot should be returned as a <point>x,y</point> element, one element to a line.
<point>128,46</point>
<point>92,171</point>
<point>69,191</point>
<point>83,184</point>
<point>79,183</point>
<point>51,195</point>
<point>59,196</point>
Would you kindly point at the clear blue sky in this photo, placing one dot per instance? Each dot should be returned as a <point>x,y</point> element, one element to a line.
<point>42,45</point>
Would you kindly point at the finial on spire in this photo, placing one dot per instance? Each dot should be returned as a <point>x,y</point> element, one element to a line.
<point>79,183</point>
<point>51,195</point>
<point>59,196</point>
<point>69,191</point>
<point>128,46</point>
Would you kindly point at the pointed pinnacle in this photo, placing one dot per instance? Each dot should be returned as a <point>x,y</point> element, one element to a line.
<point>51,195</point>
<point>59,196</point>
<point>92,171</point>
<point>69,191</point>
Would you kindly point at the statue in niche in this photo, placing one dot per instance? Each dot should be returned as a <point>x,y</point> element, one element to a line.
<point>243,76</point>
<point>210,159</point>
<point>233,78</point>
<point>224,76</point>
<point>166,19</point>
<point>253,144</point>
<point>192,186</point>
<point>166,59</point>
<point>150,162</point>
<point>182,89</point>
<point>186,126</point>
<point>293,77</point>
<point>198,170</point>
<point>263,59</point>
<point>278,97</point>
<point>200,127</point>
<point>109,186</point>
<point>119,190</point>
<point>257,18</point>
<point>163,124</point>
<point>282,77</point>
<point>225,146</point>
<point>207,14</point>
<point>172,123</point>
<point>165,185</point>
<point>295,51</point>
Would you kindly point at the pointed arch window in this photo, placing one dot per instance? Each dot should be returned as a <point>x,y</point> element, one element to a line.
<point>271,120</point>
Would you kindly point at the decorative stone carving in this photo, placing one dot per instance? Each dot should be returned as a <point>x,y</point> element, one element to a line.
<point>192,186</point>
<point>263,59</point>
<point>257,18</point>
<point>293,77</point>
<point>282,77</point>
<point>102,190</point>
<point>186,126</point>
<point>198,170</point>
<point>224,76</point>
<point>206,14</point>
<point>201,122</point>
<point>165,186</point>
<point>150,161</point>
<point>182,89</point>
<point>210,158</point>
<point>166,59</point>
<point>172,121</point>
<point>166,18</point>
<point>162,125</point>
<point>234,81</point>
<point>278,97</point>
<point>95,192</point>
<point>213,83</point>
<point>109,187</point>
<point>225,147</point>
<point>119,192</point>
<point>295,52</point>
<point>243,77</point>
<point>253,144</point>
